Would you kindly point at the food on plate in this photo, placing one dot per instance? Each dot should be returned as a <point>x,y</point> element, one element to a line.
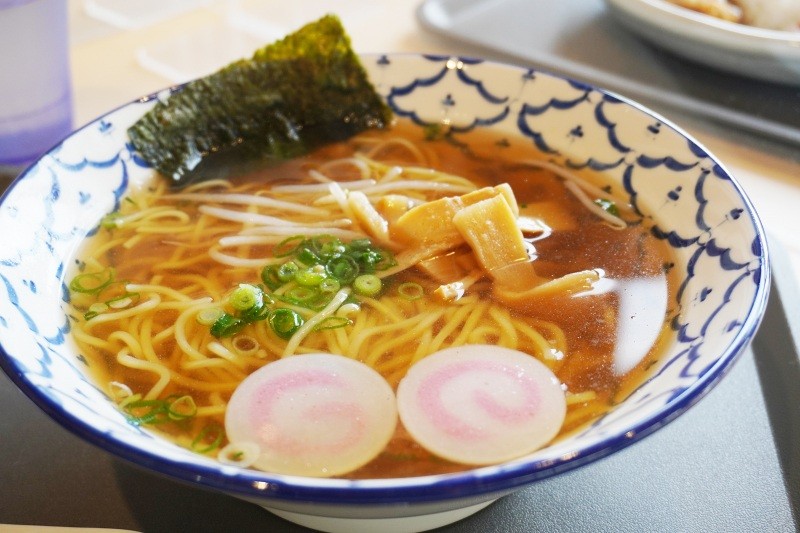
<point>371,253</point>
<point>769,14</point>
<point>716,8</point>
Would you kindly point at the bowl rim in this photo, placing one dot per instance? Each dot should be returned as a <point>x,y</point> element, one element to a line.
<point>481,481</point>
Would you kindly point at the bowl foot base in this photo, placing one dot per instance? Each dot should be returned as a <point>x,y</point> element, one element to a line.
<point>406,524</point>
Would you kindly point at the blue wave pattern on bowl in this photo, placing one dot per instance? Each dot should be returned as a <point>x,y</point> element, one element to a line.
<point>695,205</point>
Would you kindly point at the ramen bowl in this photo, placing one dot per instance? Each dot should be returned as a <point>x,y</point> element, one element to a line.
<point>695,205</point>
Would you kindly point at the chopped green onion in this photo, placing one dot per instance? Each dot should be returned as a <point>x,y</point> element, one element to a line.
<point>245,297</point>
<point>269,275</point>
<point>329,286</point>
<point>209,438</point>
<point>119,391</point>
<point>227,326</point>
<point>122,301</point>
<point>92,282</point>
<point>94,310</point>
<point>327,246</point>
<point>343,268</point>
<point>208,316</point>
<point>315,270</point>
<point>300,294</point>
<point>241,454</point>
<point>142,412</point>
<point>608,206</point>
<point>285,322</point>
<point>288,246</point>
<point>132,398</point>
<point>410,291</point>
<point>333,322</point>
<point>257,312</point>
<point>314,300</point>
<point>287,271</point>
<point>245,345</point>
<point>387,261</point>
<point>111,220</point>
<point>174,408</point>
<point>307,256</point>
<point>367,285</point>
<point>310,277</point>
<point>181,408</point>
<point>368,259</point>
<point>360,244</point>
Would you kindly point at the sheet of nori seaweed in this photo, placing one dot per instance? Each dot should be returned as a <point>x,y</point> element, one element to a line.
<point>296,94</point>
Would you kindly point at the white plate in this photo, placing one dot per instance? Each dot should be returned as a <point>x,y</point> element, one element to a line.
<point>768,55</point>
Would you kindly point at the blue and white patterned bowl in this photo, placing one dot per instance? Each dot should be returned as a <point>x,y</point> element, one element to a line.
<point>697,207</point>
